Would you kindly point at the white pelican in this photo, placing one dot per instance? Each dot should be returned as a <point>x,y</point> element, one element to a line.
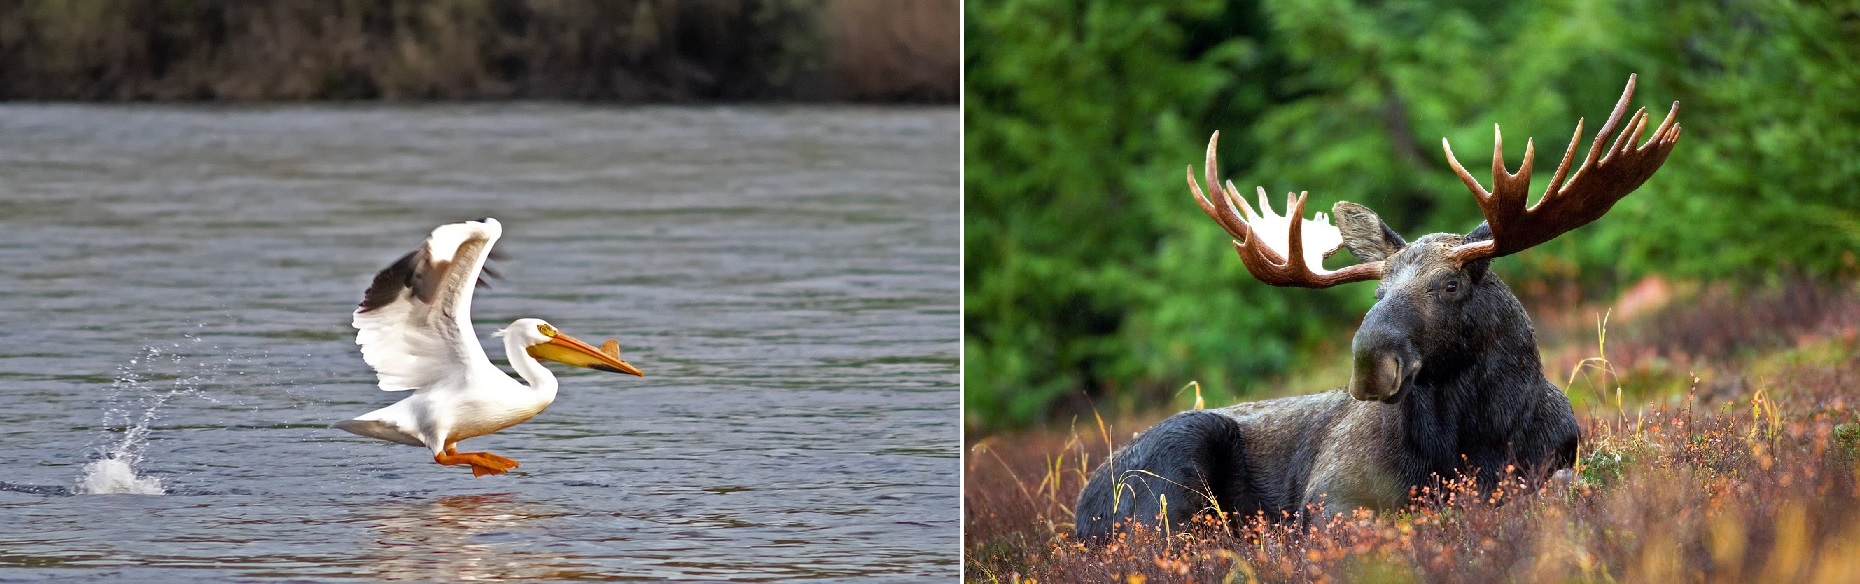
<point>415,330</point>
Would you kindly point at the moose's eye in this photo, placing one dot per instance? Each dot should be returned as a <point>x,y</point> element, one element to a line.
<point>1452,286</point>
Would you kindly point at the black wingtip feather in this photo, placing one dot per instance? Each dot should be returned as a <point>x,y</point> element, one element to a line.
<point>388,284</point>
<point>486,274</point>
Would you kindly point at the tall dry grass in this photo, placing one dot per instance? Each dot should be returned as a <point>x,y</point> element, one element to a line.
<point>1761,483</point>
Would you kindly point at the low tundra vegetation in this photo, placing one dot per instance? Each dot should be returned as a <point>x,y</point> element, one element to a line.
<point>1744,468</point>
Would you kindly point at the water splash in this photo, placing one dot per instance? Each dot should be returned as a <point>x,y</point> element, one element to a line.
<point>115,476</point>
<point>141,388</point>
<point>114,473</point>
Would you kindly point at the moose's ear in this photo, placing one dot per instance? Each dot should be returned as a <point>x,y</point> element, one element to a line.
<point>1365,233</point>
<point>1475,270</point>
<point>1481,233</point>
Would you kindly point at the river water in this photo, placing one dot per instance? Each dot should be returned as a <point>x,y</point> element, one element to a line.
<point>177,288</point>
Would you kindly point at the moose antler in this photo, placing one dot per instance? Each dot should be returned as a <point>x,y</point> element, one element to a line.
<point>1265,241</point>
<point>1590,192</point>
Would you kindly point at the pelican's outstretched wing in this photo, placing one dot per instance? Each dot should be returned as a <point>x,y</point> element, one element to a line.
<point>415,319</point>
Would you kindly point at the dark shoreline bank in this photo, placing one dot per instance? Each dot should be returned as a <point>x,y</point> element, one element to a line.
<point>640,51</point>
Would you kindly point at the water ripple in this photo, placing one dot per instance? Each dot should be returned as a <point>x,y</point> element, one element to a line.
<point>786,276</point>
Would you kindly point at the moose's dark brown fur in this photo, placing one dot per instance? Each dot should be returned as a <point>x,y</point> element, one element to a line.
<point>1446,380</point>
<point>1471,384</point>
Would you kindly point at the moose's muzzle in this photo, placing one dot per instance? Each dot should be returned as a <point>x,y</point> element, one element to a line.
<point>1378,378</point>
<point>1385,357</point>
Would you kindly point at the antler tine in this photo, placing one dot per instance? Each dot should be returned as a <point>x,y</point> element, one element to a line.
<point>1221,207</point>
<point>1279,267</point>
<point>1635,122</point>
<point>1562,168</point>
<point>1614,119</point>
<point>1234,198</point>
<point>1472,184</point>
<point>1609,171</point>
<point>1671,123</point>
<point>1640,125</point>
<point>1295,233</point>
<point>1510,190</point>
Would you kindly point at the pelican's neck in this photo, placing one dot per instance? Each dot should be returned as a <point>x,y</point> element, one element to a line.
<point>531,370</point>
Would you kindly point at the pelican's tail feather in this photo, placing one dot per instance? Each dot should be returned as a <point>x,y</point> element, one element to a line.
<point>379,430</point>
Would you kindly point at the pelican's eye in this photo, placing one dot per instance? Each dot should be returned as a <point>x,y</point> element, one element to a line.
<point>546,330</point>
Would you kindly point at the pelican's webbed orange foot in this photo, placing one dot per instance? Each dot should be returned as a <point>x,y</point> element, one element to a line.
<point>482,463</point>
<point>508,463</point>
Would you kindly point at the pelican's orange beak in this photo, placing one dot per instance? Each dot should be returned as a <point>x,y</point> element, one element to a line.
<point>568,350</point>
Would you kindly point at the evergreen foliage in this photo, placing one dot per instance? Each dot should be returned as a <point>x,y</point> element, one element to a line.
<point>1092,274</point>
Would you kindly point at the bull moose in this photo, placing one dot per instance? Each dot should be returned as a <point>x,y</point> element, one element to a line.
<point>1446,380</point>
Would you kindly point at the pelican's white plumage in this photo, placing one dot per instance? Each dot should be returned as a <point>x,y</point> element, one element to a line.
<point>414,327</point>
<point>427,323</point>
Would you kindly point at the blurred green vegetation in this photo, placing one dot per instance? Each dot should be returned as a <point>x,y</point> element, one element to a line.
<point>1092,275</point>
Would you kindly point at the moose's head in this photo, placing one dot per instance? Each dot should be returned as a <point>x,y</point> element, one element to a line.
<point>1435,293</point>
